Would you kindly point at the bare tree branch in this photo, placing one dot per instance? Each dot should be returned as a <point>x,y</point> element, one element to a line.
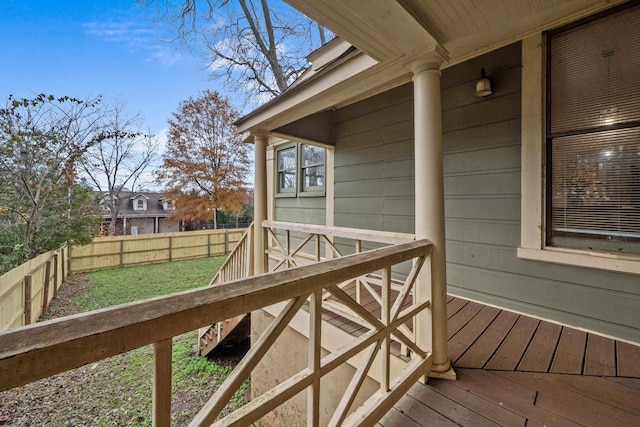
<point>255,47</point>
<point>118,158</point>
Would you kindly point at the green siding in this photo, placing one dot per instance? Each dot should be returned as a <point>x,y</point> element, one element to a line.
<point>374,189</point>
<point>374,163</point>
<point>306,210</point>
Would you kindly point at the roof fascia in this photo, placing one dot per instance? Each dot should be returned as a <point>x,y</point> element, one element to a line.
<point>336,79</point>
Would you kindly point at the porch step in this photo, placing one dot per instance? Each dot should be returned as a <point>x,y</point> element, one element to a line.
<point>229,332</point>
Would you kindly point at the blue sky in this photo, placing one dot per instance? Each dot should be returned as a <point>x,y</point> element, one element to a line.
<point>96,47</point>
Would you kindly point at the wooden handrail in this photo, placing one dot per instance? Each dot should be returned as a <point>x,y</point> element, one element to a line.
<point>236,253</point>
<point>48,348</point>
<point>350,233</point>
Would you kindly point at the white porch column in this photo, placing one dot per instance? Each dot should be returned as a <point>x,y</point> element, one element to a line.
<point>259,202</point>
<point>429,207</point>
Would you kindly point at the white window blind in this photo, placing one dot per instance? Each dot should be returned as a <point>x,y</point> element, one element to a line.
<point>594,132</point>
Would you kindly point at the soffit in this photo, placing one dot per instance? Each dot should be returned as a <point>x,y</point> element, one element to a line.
<point>384,30</point>
<point>388,29</point>
<point>393,32</point>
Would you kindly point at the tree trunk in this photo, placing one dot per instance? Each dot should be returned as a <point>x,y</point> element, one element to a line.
<point>112,226</point>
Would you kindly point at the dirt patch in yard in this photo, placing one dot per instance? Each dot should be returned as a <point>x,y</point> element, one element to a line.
<point>115,391</point>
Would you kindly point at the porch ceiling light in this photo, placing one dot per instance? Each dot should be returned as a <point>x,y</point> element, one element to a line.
<point>483,86</point>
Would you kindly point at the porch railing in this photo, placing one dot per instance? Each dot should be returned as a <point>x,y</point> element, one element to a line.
<point>45,349</point>
<point>238,265</point>
<point>295,244</point>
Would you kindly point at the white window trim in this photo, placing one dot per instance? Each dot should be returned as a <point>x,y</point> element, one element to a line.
<point>532,215</point>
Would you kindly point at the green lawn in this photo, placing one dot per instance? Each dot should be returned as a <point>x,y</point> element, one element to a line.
<point>128,284</point>
<point>117,391</point>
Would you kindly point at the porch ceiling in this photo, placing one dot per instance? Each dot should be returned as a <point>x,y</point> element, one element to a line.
<point>386,30</point>
<point>390,34</point>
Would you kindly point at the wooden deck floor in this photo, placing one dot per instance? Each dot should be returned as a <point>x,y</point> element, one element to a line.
<point>514,370</point>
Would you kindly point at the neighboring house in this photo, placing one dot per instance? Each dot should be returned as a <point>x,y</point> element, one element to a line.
<point>142,213</point>
<point>528,184</point>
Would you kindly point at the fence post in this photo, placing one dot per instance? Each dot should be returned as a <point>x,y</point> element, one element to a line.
<point>226,241</point>
<point>121,252</point>
<point>208,245</point>
<point>47,282</point>
<point>62,263</point>
<point>27,299</point>
<point>170,248</point>
<point>55,275</point>
<point>69,259</point>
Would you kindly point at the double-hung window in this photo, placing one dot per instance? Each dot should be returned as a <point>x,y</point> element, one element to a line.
<point>593,134</point>
<point>300,170</point>
<point>312,168</point>
<point>287,168</point>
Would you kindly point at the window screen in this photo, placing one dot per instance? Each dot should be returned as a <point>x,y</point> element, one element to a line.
<point>594,134</point>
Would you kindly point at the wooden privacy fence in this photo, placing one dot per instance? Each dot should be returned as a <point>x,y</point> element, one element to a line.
<point>118,251</point>
<point>27,290</point>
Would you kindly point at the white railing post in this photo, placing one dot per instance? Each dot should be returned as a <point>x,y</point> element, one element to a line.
<point>385,317</point>
<point>260,202</point>
<point>315,353</point>
<point>358,284</point>
<point>287,244</point>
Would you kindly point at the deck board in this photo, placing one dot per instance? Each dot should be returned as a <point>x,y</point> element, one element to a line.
<point>488,342</point>
<point>566,402</point>
<point>454,411</point>
<point>601,389</point>
<point>514,345</point>
<point>422,414</point>
<point>468,334</point>
<point>600,356</point>
<point>461,318</point>
<point>510,394</point>
<point>628,360</point>
<point>396,418</point>
<point>457,392</point>
<point>454,305</point>
<point>569,357</point>
<point>541,349</point>
<point>515,370</point>
<point>518,371</point>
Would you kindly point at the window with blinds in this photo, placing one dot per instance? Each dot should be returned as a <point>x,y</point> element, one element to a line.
<point>593,134</point>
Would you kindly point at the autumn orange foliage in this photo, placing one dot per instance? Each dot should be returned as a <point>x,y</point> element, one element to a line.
<point>206,165</point>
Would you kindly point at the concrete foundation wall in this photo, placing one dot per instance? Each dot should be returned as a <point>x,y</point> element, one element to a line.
<point>287,357</point>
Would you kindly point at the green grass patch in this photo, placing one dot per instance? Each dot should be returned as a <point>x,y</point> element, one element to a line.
<point>128,284</point>
<point>118,390</point>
